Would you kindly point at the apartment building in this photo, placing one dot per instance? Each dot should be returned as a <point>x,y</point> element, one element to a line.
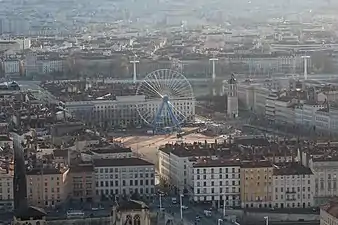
<point>284,110</point>
<point>174,161</point>
<point>124,177</point>
<point>11,67</point>
<point>293,186</point>
<point>305,114</point>
<point>6,190</point>
<point>82,182</point>
<point>48,66</point>
<point>329,213</point>
<point>325,169</point>
<point>327,120</point>
<point>256,184</point>
<point>217,181</point>
<point>112,151</point>
<point>47,186</point>
<point>270,106</point>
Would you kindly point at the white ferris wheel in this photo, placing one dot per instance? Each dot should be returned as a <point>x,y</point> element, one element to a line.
<point>165,92</point>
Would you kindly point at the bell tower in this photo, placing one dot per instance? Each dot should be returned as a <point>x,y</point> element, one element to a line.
<point>232,104</point>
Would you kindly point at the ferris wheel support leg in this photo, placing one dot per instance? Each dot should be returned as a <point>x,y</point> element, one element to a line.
<point>157,118</point>
<point>173,117</point>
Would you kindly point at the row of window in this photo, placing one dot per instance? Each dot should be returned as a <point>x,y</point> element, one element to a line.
<point>130,191</point>
<point>292,190</point>
<point>44,197</point>
<point>117,170</point>
<point>46,178</point>
<point>294,197</point>
<point>124,183</point>
<point>9,190</point>
<point>220,176</point>
<point>124,176</point>
<point>220,170</point>
<point>221,183</point>
<point>279,205</point>
<point>212,190</point>
<point>52,190</point>
<point>330,185</point>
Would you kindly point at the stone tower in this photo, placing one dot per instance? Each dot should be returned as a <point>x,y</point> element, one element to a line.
<point>232,104</point>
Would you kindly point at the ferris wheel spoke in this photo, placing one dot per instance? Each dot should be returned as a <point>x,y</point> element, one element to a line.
<point>152,83</point>
<point>179,87</point>
<point>149,93</point>
<point>151,87</point>
<point>161,77</point>
<point>149,117</point>
<point>181,90</point>
<point>184,92</point>
<point>158,84</point>
<point>146,115</point>
<point>177,98</point>
<point>174,81</point>
<point>177,111</point>
<point>169,78</point>
<point>180,84</point>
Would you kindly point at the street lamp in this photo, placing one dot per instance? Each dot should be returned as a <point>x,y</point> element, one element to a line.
<point>181,206</point>
<point>160,198</point>
<point>223,206</point>
<point>266,220</point>
<point>219,221</point>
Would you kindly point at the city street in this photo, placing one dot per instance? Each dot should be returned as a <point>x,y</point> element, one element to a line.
<point>191,213</point>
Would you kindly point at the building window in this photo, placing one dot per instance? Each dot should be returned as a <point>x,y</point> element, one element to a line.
<point>137,220</point>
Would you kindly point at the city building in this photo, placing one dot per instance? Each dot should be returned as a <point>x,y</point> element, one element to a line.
<point>174,161</point>
<point>305,114</point>
<point>256,184</point>
<point>130,213</point>
<point>124,177</point>
<point>30,63</point>
<point>111,151</point>
<point>232,104</point>
<point>48,66</point>
<point>6,190</point>
<point>245,93</point>
<point>217,181</point>
<point>293,186</point>
<point>82,182</point>
<point>284,110</point>
<point>31,215</point>
<point>270,107</point>
<point>14,26</point>
<point>326,120</point>
<point>123,112</point>
<point>6,141</point>
<point>329,213</point>
<point>11,67</point>
<point>47,186</point>
<point>325,169</point>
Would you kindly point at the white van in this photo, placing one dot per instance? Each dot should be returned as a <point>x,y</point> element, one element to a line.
<point>207,213</point>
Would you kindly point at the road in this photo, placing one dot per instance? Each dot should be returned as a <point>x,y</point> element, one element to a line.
<point>190,214</point>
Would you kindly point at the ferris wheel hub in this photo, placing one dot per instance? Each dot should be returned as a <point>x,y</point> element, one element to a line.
<point>165,98</point>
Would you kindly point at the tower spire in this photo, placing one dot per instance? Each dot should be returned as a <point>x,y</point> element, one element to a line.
<point>213,60</point>
<point>134,62</point>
